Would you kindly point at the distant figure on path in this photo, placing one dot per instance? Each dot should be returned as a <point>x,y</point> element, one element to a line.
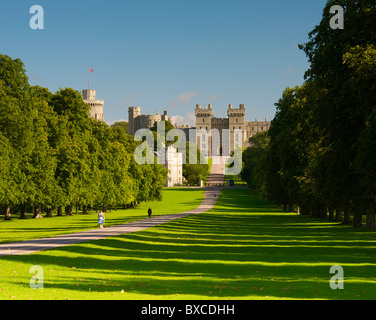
<point>149,213</point>
<point>101,219</point>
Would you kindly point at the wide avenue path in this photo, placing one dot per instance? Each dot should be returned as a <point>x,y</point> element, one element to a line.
<point>30,246</point>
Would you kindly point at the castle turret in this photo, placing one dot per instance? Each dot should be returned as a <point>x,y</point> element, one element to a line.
<point>203,126</point>
<point>134,114</point>
<point>96,106</point>
<point>236,119</point>
<point>203,117</point>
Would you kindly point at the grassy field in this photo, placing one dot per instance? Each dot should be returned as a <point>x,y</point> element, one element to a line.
<point>244,248</point>
<point>174,201</point>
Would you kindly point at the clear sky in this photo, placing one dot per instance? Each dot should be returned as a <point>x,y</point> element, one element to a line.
<point>165,54</point>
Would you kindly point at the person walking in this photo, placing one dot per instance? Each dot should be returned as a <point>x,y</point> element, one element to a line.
<point>149,212</point>
<point>101,219</point>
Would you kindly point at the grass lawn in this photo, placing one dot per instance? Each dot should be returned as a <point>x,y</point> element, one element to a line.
<point>174,201</point>
<point>243,248</point>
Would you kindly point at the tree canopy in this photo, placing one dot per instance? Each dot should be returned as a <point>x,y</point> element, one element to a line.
<point>54,155</point>
<point>321,153</point>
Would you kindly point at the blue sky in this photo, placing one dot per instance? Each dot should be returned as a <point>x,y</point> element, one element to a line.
<point>165,54</point>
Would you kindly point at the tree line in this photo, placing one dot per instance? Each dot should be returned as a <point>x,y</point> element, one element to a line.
<point>54,156</point>
<point>320,152</point>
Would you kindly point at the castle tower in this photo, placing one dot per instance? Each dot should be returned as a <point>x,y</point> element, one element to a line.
<point>96,106</point>
<point>134,114</point>
<point>236,126</point>
<point>203,117</point>
<point>204,123</point>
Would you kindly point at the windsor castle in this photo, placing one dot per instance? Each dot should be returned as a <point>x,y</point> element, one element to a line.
<point>235,125</point>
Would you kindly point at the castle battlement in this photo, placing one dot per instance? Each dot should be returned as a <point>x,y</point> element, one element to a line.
<point>96,106</point>
<point>137,121</point>
<point>239,129</point>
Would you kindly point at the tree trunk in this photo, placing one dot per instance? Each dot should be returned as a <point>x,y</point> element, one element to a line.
<point>316,210</point>
<point>37,213</point>
<point>305,210</point>
<point>105,208</point>
<point>323,212</point>
<point>59,211</point>
<point>370,224</point>
<point>23,211</point>
<point>358,217</point>
<point>68,210</point>
<point>49,212</point>
<point>339,217</point>
<point>331,214</point>
<point>347,216</point>
<point>291,207</point>
<point>84,209</point>
<point>8,215</point>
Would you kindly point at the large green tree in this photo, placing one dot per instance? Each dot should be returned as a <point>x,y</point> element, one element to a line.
<point>55,155</point>
<point>342,109</point>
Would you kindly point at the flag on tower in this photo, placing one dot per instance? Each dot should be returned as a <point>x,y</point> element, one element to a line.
<point>88,78</point>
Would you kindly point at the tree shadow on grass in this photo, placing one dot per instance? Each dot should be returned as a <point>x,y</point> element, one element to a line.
<point>241,255</point>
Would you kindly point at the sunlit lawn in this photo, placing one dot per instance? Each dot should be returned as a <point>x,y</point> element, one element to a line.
<point>242,249</point>
<point>174,201</point>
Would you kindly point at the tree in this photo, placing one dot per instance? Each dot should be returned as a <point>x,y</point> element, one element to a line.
<point>77,173</point>
<point>342,104</point>
<point>193,170</point>
<point>23,123</point>
<point>254,157</point>
<point>121,124</point>
<point>362,60</point>
<point>55,155</point>
<point>8,187</point>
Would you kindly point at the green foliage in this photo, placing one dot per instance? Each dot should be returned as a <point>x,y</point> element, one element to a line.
<point>193,170</point>
<point>321,151</point>
<point>242,249</point>
<point>253,163</point>
<point>55,155</point>
<point>121,124</point>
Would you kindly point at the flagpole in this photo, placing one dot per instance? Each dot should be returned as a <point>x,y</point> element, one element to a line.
<point>88,78</point>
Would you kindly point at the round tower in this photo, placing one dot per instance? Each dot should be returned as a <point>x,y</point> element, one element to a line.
<point>96,106</point>
<point>133,114</point>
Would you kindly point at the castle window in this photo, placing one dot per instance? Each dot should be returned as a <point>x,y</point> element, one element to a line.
<point>262,128</point>
<point>236,138</point>
<point>237,120</point>
<point>203,138</point>
<point>203,120</point>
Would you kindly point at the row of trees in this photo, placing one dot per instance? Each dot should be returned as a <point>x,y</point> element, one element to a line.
<point>320,152</point>
<point>54,155</point>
